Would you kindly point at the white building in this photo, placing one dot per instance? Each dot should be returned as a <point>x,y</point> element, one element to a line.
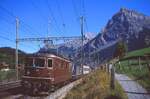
<point>86,69</point>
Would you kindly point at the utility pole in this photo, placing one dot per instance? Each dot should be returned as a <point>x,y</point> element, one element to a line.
<point>48,28</point>
<point>98,59</point>
<point>82,19</point>
<point>16,63</point>
<point>89,54</point>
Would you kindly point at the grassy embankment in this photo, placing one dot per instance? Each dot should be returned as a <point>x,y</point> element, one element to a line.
<point>133,70</point>
<point>96,86</point>
<point>7,55</point>
<point>7,75</point>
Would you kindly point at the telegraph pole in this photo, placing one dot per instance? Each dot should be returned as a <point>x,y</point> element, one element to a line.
<point>82,19</point>
<point>89,53</point>
<point>16,63</point>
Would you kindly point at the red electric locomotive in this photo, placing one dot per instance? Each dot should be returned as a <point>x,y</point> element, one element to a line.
<point>45,72</point>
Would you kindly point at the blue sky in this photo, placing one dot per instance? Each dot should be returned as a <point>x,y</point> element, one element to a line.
<point>39,18</point>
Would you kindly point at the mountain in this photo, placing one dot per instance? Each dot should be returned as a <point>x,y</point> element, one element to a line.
<point>67,49</point>
<point>7,55</point>
<point>130,26</point>
<point>127,25</point>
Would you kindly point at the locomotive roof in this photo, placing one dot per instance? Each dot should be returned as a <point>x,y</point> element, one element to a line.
<point>48,56</point>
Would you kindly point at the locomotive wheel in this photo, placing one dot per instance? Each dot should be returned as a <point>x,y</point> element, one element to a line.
<point>26,90</point>
<point>35,91</point>
<point>52,88</point>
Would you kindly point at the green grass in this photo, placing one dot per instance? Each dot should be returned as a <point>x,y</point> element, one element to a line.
<point>7,75</point>
<point>133,70</point>
<point>140,52</point>
<point>96,86</point>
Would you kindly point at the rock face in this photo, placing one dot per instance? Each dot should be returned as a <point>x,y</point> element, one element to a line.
<point>7,55</point>
<point>128,25</point>
<point>67,49</point>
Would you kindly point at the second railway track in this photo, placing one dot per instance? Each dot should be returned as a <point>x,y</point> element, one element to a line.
<point>10,85</point>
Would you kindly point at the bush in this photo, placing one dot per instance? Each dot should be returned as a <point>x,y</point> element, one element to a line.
<point>7,75</point>
<point>95,86</point>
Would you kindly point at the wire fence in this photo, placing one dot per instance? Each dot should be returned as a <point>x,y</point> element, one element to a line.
<point>134,76</point>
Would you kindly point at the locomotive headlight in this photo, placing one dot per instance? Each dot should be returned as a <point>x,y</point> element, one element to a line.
<point>37,70</point>
<point>29,85</point>
<point>28,72</point>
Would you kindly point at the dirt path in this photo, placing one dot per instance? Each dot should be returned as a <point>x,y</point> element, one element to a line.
<point>132,88</point>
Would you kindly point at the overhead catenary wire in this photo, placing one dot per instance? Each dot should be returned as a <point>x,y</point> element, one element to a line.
<point>86,25</point>
<point>21,21</point>
<point>7,32</point>
<point>84,14</point>
<point>26,30</point>
<point>43,17</point>
<point>61,15</point>
<point>53,18</point>
<point>12,41</point>
<point>11,14</point>
<point>82,8</point>
<point>8,39</point>
<point>76,12</point>
<point>7,20</point>
<point>26,27</point>
<point>38,10</point>
<point>75,8</point>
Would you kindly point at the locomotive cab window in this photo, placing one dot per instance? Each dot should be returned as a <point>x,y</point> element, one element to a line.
<point>66,65</point>
<point>29,62</point>
<point>39,62</point>
<point>62,65</point>
<point>49,63</point>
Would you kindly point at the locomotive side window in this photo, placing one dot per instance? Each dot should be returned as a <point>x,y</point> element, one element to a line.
<point>49,63</point>
<point>66,65</point>
<point>39,62</point>
<point>62,65</point>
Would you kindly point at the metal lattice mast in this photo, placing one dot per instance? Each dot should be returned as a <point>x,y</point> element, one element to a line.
<point>82,19</point>
<point>50,39</point>
<point>16,59</point>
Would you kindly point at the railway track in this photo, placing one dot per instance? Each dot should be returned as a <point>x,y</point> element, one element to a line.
<point>10,85</point>
<point>57,94</point>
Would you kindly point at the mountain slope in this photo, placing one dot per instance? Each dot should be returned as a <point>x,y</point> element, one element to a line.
<point>67,49</point>
<point>7,55</point>
<point>128,26</point>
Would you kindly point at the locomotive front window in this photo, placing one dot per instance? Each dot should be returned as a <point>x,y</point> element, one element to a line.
<point>39,62</point>
<point>29,62</point>
<point>49,63</point>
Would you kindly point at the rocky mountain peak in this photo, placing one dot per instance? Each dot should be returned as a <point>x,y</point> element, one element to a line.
<point>131,13</point>
<point>127,15</point>
<point>127,25</point>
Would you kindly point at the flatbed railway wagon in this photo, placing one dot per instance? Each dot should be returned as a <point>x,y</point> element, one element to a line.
<point>45,72</point>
